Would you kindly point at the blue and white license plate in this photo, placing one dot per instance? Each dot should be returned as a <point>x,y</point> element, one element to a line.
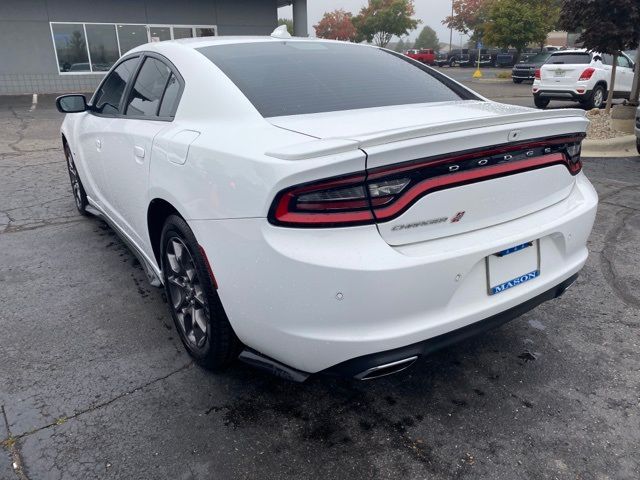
<point>513,266</point>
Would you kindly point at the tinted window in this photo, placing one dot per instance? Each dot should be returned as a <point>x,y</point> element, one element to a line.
<point>570,58</point>
<point>146,93</point>
<point>170,98</point>
<point>539,58</point>
<point>292,78</point>
<point>103,46</point>
<point>107,98</point>
<point>71,47</point>
<point>624,62</point>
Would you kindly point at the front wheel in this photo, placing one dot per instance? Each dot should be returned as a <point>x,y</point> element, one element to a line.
<point>541,102</point>
<point>194,303</point>
<point>79,195</point>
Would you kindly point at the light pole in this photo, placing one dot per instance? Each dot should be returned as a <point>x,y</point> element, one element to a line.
<point>451,30</point>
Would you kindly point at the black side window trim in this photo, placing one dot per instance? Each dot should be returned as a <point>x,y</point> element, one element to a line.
<point>134,78</point>
<point>124,99</point>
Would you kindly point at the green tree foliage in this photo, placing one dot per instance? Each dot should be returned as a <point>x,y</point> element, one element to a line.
<point>428,38</point>
<point>517,23</point>
<point>606,26</point>
<point>288,22</point>
<point>380,20</point>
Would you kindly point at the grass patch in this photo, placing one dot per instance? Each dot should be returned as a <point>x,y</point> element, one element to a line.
<point>504,75</point>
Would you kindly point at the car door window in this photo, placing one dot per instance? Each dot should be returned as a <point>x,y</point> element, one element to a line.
<point>170,98</point>
<point>624,62</point>
<point>147,91</point>
<point>107,98</point>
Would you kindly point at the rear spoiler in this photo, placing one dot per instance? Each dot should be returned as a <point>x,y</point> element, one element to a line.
<point>332,146</point>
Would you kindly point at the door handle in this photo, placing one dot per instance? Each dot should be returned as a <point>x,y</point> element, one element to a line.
<point>138,151</point>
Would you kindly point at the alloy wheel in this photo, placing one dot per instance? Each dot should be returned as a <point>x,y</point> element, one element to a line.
<point>598,97</point>
<point>75,179</point>
<point>187,297</point>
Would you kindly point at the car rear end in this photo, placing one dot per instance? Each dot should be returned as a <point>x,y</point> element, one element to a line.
<point>394,229</point>
<point>566,76</point>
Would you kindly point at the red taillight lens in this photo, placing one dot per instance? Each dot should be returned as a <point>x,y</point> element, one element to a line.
<point>385,193</point>
<point>587,74</point>
<point>537,74</point>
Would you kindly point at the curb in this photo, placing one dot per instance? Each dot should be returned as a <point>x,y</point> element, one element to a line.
<point>613,147</point>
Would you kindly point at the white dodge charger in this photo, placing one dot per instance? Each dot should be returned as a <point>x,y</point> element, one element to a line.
<point>319,206</point>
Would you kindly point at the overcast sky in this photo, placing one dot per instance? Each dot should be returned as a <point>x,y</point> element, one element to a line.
<point>431,12</point>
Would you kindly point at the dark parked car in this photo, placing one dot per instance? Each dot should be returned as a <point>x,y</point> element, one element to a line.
<point>442,59</point>
<point>526,68</point>
<point>459,58</point>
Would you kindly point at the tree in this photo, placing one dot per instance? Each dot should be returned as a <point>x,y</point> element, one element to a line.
<point>606,26</point>
<point>469,16</point>
<point>380,20</point>
<point>401,46</point>
<point>517,23</point>
<point>288,22</point>
<point>428,38</point>
<point>336,25</point>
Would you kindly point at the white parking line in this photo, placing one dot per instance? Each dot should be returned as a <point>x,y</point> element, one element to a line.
<point>34,102</point>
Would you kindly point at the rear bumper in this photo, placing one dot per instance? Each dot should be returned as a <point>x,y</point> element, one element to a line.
<point>316,298</point>
<point>355,366</point>
<point>571,95</point>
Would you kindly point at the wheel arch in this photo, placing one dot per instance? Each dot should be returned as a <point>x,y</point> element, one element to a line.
<point>158,211</point>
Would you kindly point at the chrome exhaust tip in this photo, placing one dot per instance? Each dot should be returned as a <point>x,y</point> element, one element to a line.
<point>386,369</point>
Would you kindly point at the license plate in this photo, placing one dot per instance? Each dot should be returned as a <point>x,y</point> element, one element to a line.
<point>559,73</point>
<point>512,267</point>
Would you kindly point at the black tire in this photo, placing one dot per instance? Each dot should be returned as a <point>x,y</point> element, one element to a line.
<point>453,63</point>
<point>79,195</point>
<point>196,301</point>
<point>517,80</point>
<point>541,102</point>
<point>596,99</point>
<point>638,145</point>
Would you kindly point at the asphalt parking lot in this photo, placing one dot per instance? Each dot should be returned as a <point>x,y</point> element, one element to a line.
<point>94,382</point>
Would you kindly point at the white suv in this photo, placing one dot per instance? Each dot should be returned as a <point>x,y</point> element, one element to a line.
<point>578,75</point>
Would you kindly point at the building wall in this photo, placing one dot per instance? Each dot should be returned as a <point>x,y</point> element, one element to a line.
<point>28,61</point>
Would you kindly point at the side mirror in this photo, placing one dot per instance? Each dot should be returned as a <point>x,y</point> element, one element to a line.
<point>73,103</point>
<point>597,58</point>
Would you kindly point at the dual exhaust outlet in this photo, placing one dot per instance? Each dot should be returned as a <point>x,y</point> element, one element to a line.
<point>281,370</point>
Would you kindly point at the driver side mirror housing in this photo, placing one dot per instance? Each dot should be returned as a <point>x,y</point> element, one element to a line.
<point>73,103</point>
<point>597,58</point>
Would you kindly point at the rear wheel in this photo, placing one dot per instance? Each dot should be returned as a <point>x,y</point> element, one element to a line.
<point>79,195</point>
<point>596,99</point>
<point>541,102</point>
<point>194,303</point>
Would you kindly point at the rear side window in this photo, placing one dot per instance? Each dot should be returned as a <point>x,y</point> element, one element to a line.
<point>293,78</point>
<point>107,98</point>
<point>570,59</point>
<point>147,91</point>
<point>170,98</point>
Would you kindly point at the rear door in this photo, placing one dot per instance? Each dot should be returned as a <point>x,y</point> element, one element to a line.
<point>150,106</point>
<point>563,69</point>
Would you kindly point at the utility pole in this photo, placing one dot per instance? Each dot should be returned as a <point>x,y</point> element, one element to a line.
<point>451,30</point>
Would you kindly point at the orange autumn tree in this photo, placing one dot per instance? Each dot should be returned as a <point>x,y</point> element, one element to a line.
<point>336,25</point>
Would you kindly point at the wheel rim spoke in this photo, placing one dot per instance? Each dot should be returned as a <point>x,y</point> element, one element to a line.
<point>187,297</point>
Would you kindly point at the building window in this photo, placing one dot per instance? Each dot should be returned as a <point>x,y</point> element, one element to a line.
<point>131,36</point>
<point>103,46</point>
<point>95,47</point>
<point>71,47</point>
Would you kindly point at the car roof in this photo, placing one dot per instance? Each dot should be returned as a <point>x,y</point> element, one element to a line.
<point>201,42</point>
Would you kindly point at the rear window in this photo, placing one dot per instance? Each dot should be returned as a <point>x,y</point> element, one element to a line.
<point>570,58</point>
<point>294,78</point>
<point>539,58</point>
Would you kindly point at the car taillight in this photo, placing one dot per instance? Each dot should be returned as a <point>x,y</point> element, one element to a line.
<point>537,74</point>
<point>384,193</point>
<point>587,74</point>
